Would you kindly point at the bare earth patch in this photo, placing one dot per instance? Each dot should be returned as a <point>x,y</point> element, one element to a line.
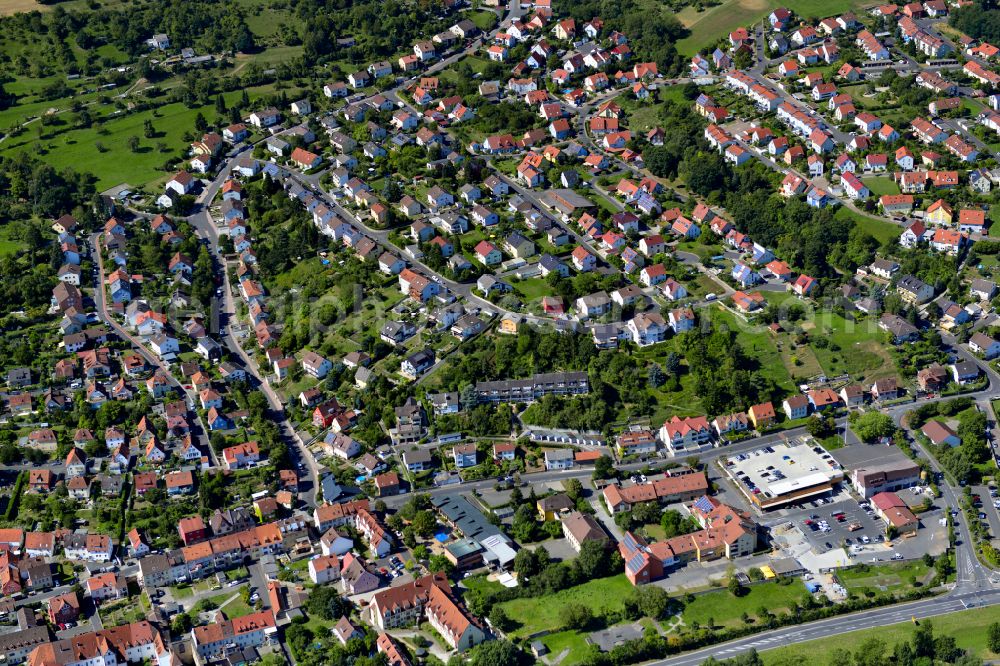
<point>690,15</point>
<point>8,7</point>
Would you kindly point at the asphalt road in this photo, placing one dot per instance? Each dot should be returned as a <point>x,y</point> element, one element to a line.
<point>706,456</point>
<point>205,227</point>
<point>879,617</point>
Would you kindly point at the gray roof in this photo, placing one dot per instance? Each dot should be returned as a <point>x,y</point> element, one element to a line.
<point>469,520</point>
<point>911,284</point>
<point>966,368</point>
<point>885,265</point>
<point>417,456</point>
<point>983,285</point>
<point>559,454</point>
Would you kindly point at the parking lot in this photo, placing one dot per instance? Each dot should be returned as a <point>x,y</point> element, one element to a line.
<point>727,492</point>
<point>391,566</point>
<point>835,523</point>
<point>559,549</point>
<point>839,521</point>
<point>987,509</point>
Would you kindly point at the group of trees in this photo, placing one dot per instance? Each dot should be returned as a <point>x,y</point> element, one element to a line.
<point>479,421</point>
<point>682,138</point>
<point>285,229</point>
<point>978,20</point>
<point>326,603</point>
<point>312,649</point>
<point>30,189</point>
<point>872,426</point>
<point>653,29</point>
<point>540,576</point>
<point>961,460</point>
<point>212,27</point>
<point>924,647</point>
<point>726,378</point>
<point>379,29</point>
<point>149,254</point>
<point>672,522</point>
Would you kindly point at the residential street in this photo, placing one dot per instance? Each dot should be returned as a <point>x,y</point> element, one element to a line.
<point>198,429</point>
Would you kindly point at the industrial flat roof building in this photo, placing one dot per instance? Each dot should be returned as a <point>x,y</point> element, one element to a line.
<point>778,475</point>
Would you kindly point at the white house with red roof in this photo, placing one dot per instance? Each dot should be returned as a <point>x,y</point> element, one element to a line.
<point>804,285</point>
<point>583,260</point>
<point>680,434</point>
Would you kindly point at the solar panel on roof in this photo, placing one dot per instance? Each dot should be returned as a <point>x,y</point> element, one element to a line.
<point>636,562</point>
<point>704,504</point>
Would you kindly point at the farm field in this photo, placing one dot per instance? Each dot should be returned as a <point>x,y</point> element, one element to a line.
<point>708,26</point>
<point>8,7</point>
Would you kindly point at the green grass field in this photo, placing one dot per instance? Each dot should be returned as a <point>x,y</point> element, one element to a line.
<point>182,591</point>
<point>8,247</point>
<point>723,609</point>
<point>77,148</point>
<point>483,20</point>
<point>235,608</point>
<point>539,613</point>
<point>117,164</point>
<point>264,20</point>
<point>852,347</point>
<point>968,628</point>
<point>644,116</point>
<point>532,289</point>
<point>882,230</point>
<point>122,612</point>
<point>888,577</point>
<point>576,644</point>
<point>881,185</point>
<point>758,343</point>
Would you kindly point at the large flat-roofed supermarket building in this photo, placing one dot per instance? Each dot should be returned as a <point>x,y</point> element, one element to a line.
<point>775,476</point>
